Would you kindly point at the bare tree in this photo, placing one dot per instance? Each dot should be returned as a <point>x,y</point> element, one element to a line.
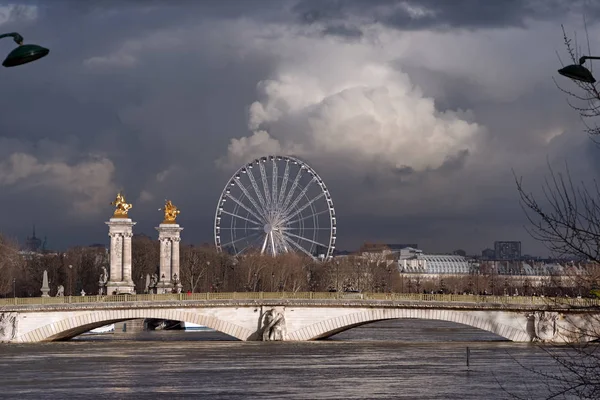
<point>195,267</point>
<point>11,264</point>
<point>81,267</point>
<point>566,219</point>
<point>292,273</point>
<point>145,259</point>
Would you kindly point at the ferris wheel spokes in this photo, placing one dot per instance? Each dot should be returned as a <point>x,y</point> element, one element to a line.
<point>286,175</point>
<point>304,207</point>
<point>292,189</point>
<point>279,216</point>
<point>240,239</point>
<point>241,204</point>
<point>256,189</point>
<point>308,240</point>
<point>241,217</point>
<point>244,189</point>
<point>274,184</point>
<point>263,176</point>
<point>297,246</point>
<point>307,217</point>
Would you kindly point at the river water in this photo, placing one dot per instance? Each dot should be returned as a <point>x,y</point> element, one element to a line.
<point>402,359</point>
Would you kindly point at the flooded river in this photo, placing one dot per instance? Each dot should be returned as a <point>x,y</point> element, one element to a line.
<point>403,359</point>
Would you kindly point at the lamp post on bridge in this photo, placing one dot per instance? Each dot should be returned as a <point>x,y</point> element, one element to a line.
<point>14,287</point>
<point>70,280</point>
<point>337,275</point>
<point>402,279</point>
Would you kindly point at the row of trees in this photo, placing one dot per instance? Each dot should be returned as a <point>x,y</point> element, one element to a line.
<point>203,269</point>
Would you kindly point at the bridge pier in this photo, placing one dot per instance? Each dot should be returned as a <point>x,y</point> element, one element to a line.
<point>120,231</point>
<point>130,326</point>
<point>169,277</point>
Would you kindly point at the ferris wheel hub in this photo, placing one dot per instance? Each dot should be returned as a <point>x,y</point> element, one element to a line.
<point>268,228</point>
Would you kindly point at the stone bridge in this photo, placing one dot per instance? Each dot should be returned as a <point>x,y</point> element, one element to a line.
<point>300,316</point>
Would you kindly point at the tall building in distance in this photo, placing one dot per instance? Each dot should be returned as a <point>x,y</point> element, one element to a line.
<point>488,254</point>
<point>507,251</point>
<point>34,244</point>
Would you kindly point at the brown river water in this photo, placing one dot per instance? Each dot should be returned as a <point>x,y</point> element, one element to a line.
<point>403,359</point>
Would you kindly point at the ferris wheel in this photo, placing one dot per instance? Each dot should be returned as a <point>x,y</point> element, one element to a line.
<point>274,205</point>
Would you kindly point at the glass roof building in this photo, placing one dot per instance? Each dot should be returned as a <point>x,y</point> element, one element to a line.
<point>414,261</point>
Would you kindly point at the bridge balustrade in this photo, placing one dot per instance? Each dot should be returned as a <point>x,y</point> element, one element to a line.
<point>409,297</point>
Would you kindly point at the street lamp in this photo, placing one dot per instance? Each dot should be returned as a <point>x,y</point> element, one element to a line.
<point>15,287</point>
<point>70,280</point>
<point>578,72</point>
<point>337,276</point>
<point>23,54</point>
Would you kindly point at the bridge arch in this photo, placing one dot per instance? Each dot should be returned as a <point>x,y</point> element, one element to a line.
<point>335,325</point>
<point>76,325</point>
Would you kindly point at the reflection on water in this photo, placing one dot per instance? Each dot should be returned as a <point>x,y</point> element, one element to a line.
<point>404,359</point>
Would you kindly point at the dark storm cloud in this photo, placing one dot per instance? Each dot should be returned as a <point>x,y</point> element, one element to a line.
<point>440,14</point>
<point>144,120</point>
<point>144,96</point>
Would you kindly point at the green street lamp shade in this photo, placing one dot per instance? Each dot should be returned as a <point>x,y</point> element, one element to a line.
<point>578,73</point>
<point>24,54</point>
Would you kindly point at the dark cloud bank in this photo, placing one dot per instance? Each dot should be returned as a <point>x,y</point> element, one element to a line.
<point>414,113</point>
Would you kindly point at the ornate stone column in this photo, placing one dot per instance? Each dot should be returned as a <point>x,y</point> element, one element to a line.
<point>175,276</point>
<point>168,274</point>
<point>169,237</point>
<point>127,266</point>
<point>116,258</point>
<point>120,230</point>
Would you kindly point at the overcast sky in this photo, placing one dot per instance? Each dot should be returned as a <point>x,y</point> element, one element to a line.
<point>414,113</point>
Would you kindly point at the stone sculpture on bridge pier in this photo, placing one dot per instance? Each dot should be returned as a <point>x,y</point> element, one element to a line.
<point>102,282</point>
<point>542,326</point>
<point>120,232</point>
<point>8,326</point>
<point>274,328</point>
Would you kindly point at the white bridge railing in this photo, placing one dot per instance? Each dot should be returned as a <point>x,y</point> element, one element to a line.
<point>416,297</point>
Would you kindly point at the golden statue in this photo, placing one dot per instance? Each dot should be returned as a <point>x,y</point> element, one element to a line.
<point>171,212</point>
<point>121,207</point>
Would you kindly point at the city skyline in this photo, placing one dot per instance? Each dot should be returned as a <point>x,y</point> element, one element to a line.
<point>416,117</point>
<point>38,244</point>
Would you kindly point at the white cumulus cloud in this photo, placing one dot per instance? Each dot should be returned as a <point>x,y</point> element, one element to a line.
<point>88,184</point>
<point>333,98</point>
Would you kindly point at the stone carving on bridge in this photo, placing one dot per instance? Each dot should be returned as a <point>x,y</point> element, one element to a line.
<point>274,328</point>
<point>60,291</point>
<point>8,326</point>
<point>102,281</point>
<point>542,326</point>
<point>176,284</point>
<point>152,283</point>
